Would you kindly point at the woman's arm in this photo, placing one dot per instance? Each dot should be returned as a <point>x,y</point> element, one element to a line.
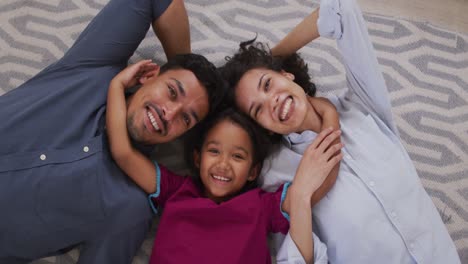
<point>131,161</point>
<point>318,160</point>
<point>303,33</point>
<point>330,118</point>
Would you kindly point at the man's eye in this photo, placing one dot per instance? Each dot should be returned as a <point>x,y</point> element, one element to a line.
<point>186,118</point>
<point>267,85</point>
<point>172,92</point>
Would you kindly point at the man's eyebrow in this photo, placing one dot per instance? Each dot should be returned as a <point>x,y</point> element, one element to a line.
<point>180,87</point>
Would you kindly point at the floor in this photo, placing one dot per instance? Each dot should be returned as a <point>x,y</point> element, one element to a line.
<point>447,14</point>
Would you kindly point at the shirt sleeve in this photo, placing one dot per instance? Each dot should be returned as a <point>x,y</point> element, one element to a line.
<point>277,220</point>
<point>343,21</point>
<point>288,252</point>
<point>167,183</point>
<point>110,38</point>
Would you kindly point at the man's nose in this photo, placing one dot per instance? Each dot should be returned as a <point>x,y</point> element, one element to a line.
<point>171,110</point>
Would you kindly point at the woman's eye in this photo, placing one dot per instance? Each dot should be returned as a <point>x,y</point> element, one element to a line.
<point>267,85</point>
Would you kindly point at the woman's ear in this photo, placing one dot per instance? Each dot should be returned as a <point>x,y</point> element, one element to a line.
<point>149,75</point>
<point>254,172</point>
<point>196,158</point>
<point>288,75</point>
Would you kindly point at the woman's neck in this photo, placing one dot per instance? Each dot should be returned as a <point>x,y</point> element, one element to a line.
<point>312,121</point>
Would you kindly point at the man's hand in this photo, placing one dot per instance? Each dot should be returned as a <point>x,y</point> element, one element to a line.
<point>136,73</point>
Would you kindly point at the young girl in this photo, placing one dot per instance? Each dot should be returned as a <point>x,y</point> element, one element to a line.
<point>219,215</point>
<point>377,211</point>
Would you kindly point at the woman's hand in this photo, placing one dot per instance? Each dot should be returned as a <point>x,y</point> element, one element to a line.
<point>136,73</point>
<point>317,162</point>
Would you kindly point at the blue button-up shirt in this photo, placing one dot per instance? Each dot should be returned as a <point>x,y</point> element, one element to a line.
<point>378,210</point>
<point>58,183</point>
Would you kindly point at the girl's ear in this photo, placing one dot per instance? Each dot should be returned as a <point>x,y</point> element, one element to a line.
<point>288,75</point>
<point>254,172</point>
<point>196,158</point>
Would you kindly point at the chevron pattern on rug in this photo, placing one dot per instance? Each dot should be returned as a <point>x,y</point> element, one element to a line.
<point>425,67</point>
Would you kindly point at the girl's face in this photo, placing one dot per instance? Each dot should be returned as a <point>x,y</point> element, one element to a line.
<point>273,100</point>
<point>225,161</point>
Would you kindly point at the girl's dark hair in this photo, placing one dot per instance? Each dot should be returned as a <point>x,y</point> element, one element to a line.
<point>252,55</point>
<point>261,144</point>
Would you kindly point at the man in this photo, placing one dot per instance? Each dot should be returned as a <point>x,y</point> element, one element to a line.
<point>59,187</point>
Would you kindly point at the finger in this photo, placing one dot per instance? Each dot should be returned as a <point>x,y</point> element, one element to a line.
<point>325,144</point>
<point>334,160</point>
<point>333,150</point>
<point>321,136</point>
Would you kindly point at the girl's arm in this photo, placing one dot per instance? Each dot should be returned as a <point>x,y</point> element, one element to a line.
<point>303,33</point>
<point>330,118</point>
<point>131,161</point>
<point>317,162</point>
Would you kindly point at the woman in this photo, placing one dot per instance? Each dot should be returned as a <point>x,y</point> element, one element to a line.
<point>377,211</point>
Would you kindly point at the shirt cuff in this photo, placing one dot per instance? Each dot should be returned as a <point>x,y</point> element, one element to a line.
<point>329,21</point>
<point>283,196</point>
<point>289,253</point>
<point>158,188</point>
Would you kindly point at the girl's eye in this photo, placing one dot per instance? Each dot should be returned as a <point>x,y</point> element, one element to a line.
<point>267,85</point>
<point>213,150</point>
<point>172,92</point>
<point>238,157</point>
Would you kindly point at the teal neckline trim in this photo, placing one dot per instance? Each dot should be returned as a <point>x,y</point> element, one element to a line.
<point>158,188</point>
<point>283,196</point>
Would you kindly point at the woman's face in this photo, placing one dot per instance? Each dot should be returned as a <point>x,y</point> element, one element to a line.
<point>273,100</point>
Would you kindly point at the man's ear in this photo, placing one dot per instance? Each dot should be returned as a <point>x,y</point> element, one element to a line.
<point>288,75</point>
<point>254,172</point>
<point>149,75</point>
<point>196,158</point>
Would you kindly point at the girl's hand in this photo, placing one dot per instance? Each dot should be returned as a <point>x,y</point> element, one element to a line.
<point>137,73</point>
<point>317,162</point>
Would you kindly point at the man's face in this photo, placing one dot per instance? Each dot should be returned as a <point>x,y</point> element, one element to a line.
<point>166,106</point>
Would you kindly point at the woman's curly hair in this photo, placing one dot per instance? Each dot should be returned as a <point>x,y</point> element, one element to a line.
<point>252,55</point>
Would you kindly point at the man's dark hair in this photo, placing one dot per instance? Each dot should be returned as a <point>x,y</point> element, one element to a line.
<point>252,55</point>
<point>206,73</point>
<point>261,145</point>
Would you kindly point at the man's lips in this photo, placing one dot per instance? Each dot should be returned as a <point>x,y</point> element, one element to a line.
<point>154,121</point>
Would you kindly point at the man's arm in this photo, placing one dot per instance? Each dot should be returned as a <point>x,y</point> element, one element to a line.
<point>131,161</point>
<point>114,34</point>
<point>172,29</point>
<point>317,162</point>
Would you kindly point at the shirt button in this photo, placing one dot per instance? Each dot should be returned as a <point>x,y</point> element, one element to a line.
<point>86,149</point>
<point>393,214</point>
<point>371,184</point>
<point>411,245</point>
<point>42,157</point>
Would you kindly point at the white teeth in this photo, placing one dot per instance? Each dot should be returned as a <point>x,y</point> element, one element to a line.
<point>153,120</point>
<point>221,178</point>
<point>286,107</point>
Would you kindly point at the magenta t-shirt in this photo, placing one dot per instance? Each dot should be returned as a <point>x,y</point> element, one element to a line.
<point>195,229</point>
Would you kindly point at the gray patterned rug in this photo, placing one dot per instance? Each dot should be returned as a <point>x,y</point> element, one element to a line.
<point>426,69</point>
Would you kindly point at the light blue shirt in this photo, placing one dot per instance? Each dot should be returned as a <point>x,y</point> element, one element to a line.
<point>378,210</point>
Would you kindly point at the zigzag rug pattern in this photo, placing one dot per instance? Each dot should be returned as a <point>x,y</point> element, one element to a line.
<point>425,67</point>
